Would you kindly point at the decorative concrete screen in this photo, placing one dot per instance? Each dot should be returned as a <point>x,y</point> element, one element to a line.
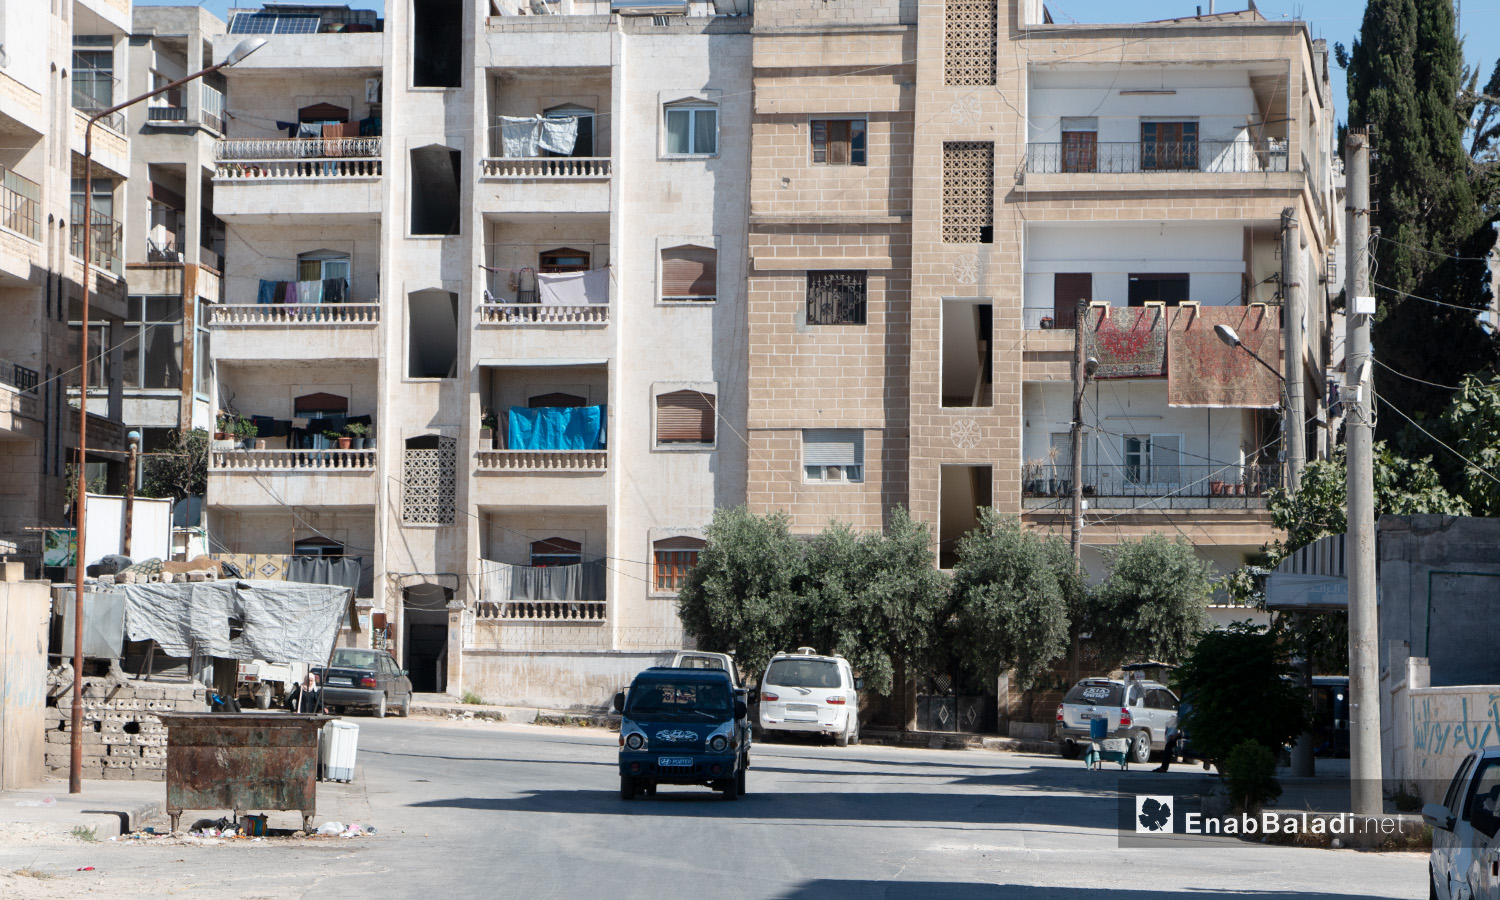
<point>968,191</point>
<point>430,482</point>
<point>969,42</point>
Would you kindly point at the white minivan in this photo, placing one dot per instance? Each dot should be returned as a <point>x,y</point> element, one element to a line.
<point>806,692</point>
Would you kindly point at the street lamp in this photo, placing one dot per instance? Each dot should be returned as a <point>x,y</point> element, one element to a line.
<point>1227,335</point>
<point>238,54</point>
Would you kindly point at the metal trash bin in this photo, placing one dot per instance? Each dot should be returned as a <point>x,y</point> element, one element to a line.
<point>242,762</point>
<point>336,750</point>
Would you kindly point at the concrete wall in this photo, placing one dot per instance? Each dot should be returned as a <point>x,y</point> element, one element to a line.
<point>1425,731</point>
<point>1212,255</point>
<point>24,610</point>
<point>556,680</point>
<point>1220,100</point>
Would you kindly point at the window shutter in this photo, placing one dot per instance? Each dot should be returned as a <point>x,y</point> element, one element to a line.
<point>838,142</point>
<point>689,272</point>
<point>833,447</point>
<point>685,417</point>
<point>680,543</point>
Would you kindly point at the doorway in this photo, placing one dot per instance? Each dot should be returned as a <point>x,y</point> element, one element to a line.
<point>425,618</point>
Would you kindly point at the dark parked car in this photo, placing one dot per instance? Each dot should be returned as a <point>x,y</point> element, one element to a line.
<point>367,678</point>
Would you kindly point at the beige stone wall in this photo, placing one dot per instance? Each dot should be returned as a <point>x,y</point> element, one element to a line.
<point>832,13</point>
<point>24,608</point>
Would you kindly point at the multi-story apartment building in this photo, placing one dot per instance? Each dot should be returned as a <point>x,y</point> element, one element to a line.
<point>173,256</point>
<point>60,61</point>
<point>937,185</point>
<point>522,230</point>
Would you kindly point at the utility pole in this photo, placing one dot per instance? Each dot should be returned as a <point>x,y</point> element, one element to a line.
<point>1075,444</point>
<point>130,464</point>
<point>1364,663</point>
<point>1294,308</point>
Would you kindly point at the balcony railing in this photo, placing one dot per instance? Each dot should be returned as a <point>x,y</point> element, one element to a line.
<point>93,92</point>
<point>295,314</point>
<point>166,113</point>
<point>1116,158</point>
<point>105,239</point>
<point>18,376</point>
<point>538,314</point>
<point>543,611</point>
<point>1044,319</point>
<point>213,107</point>
<point>554,168</point>
<point>542,460</point>
<point>1148,481</point>
<point>20,204</point>
<point>294,460</point>
<point>298,159</point>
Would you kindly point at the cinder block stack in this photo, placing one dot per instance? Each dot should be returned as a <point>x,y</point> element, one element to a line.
<point>122,737</point>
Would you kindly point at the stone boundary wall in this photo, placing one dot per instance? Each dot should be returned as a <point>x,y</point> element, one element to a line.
<point>122,737</point>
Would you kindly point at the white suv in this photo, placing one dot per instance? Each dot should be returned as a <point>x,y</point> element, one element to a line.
<point>806,692</point>
<point>1142,712</point>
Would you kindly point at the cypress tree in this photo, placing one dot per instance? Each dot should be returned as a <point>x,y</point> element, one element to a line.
<point>1407,81</point>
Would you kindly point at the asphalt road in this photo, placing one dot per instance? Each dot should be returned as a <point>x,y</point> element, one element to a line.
<point>478,810</point>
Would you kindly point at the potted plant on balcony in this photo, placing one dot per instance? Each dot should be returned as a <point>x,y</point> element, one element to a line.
<point>488,424</point>
<point>1046,323</point>
<point>1031,476</point>
<point>340,441</point>
<point>357,431</point>
<point>246,431</point>
<point>222,427</point>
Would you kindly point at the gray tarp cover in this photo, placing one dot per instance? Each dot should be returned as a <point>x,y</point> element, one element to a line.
<point>281,621</point>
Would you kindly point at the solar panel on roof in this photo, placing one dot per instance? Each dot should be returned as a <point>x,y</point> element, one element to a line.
<point>266,23</point>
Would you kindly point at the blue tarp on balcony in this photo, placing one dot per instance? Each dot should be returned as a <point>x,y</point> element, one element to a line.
<point>556,428</point>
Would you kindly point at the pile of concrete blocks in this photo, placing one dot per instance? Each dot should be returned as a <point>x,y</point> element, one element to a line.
<point>122,737</point>
<point>159,577</point>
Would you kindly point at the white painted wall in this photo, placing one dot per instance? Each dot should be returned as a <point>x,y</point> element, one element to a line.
<point>1219,99</point>
<point>1212,255</point>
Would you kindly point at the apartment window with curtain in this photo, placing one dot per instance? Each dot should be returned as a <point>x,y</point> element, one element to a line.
<point>1152,458</point>
<point>322,264</point>
<point>672,559</point>
<point>689,273</point>
<point>836,298</point>
<point>838,142</point>
<point>685,418</point>
<point>153,334</point>
<point>833,455</point>
<point>692,130</point>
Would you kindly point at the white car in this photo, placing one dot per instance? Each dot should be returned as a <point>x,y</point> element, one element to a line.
<point>806,692</point>
<point>1465,862</point>
<point>1141,712</point>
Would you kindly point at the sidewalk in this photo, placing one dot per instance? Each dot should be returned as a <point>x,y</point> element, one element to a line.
<point>111,808</point>
<point>443,706</point>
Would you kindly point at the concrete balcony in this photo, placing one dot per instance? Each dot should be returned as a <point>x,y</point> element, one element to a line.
<point>541,478</point>
<point>248,479</point>
<point>1155,166</point>
<point>563,184</point>
<point>20,227</point>
<point>111,150</point>
<point>310,180</point>
<point>296,332</point>
<point>1157,487</point>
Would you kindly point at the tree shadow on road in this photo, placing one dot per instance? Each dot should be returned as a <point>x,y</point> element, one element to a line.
<point>840,889</point>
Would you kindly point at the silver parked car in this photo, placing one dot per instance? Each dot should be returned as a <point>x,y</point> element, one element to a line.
<point>1465,861</point>
<point>1142,712</point>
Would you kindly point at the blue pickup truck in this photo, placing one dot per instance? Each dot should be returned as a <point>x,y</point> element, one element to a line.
<point>682,726</point>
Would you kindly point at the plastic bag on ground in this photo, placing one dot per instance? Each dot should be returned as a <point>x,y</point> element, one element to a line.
<point>329,829</point>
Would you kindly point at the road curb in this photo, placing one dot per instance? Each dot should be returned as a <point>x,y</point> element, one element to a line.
<point>517,714</point>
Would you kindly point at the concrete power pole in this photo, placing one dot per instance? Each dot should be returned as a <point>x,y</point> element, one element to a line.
<point>1075,443</point>
<point>1294,302</point>
<point>1364,662</point>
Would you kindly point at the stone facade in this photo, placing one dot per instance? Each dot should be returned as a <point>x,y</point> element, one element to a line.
<point>122,737</point>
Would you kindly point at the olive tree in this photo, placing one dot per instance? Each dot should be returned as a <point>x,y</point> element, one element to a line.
<point>1153,604</point>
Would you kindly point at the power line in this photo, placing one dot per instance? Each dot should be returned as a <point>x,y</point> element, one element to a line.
<point>1446,387</point>
<point>1381,237</point>
<point>1468,309</point>
<point>1472,464</point>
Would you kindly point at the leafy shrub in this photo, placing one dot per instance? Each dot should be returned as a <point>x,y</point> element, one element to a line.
<point>1250,772</point>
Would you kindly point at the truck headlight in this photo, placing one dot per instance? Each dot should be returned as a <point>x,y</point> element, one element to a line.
<point>635,740</point>
<point>717,743</point>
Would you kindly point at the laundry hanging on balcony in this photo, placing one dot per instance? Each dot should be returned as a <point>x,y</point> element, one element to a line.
<point>343,571</point>
<point>326,290</point>
<point>521,137</point>
<point>503,583</point>
<point>573,288</point>
<point>556,428</point>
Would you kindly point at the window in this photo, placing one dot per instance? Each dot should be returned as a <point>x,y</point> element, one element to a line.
<point>1170,289</point>
<point>838,142</point>
<point>556,551</point>
<point>673,558</point>
<point>835,298</point>
<point>968,192</point>
<point>1152,458</point>
<point>432,334</point>
<point>435,190</point>
<point>1169,146</point>
<point>692,130</point>
<point>556,400</point>
<point>318,547</point>
<point>689,273</point>
<point>685,417</point>
<point>1482,809</point>
<point>1080,145</point>
<point>563,259</point>
<point>1068,290</point>
<point>321,265</point>
<point>437,39</point>
<point>93,72</point>
<point>203,358</point>
<point>969,41</point>
<point>153,334</point>
<point>99,358</point>
<point>832,455</point>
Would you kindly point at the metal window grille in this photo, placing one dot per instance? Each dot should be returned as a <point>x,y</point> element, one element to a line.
<point>969,41</point>
<point>968,191</point>
<point>429,494</point>
<point>835,298</point>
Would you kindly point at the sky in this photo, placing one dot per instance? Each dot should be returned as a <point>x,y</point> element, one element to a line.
<point>1336,20</point>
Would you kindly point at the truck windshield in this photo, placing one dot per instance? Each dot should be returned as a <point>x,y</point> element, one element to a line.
<point>803,673</point>
<point>657,698</point>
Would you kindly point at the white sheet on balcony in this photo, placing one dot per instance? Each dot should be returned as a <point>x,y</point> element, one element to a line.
<point>573,288</point>
<point>522,137</point>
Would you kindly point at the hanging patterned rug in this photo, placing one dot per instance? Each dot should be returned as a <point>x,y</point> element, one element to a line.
<point>1129,342</point>
<point>1203,371</point>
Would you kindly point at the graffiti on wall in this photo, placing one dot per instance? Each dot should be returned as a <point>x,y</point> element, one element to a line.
<point>1436,735</point>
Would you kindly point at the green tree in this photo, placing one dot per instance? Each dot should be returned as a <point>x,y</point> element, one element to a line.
<point>1153,603</point>
<point>1472,422</point>
<point>1011,611</point>
<point>1240,687</point>
<point>1435,207</point>
<point>179,469</point>
<point>743,594</point>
